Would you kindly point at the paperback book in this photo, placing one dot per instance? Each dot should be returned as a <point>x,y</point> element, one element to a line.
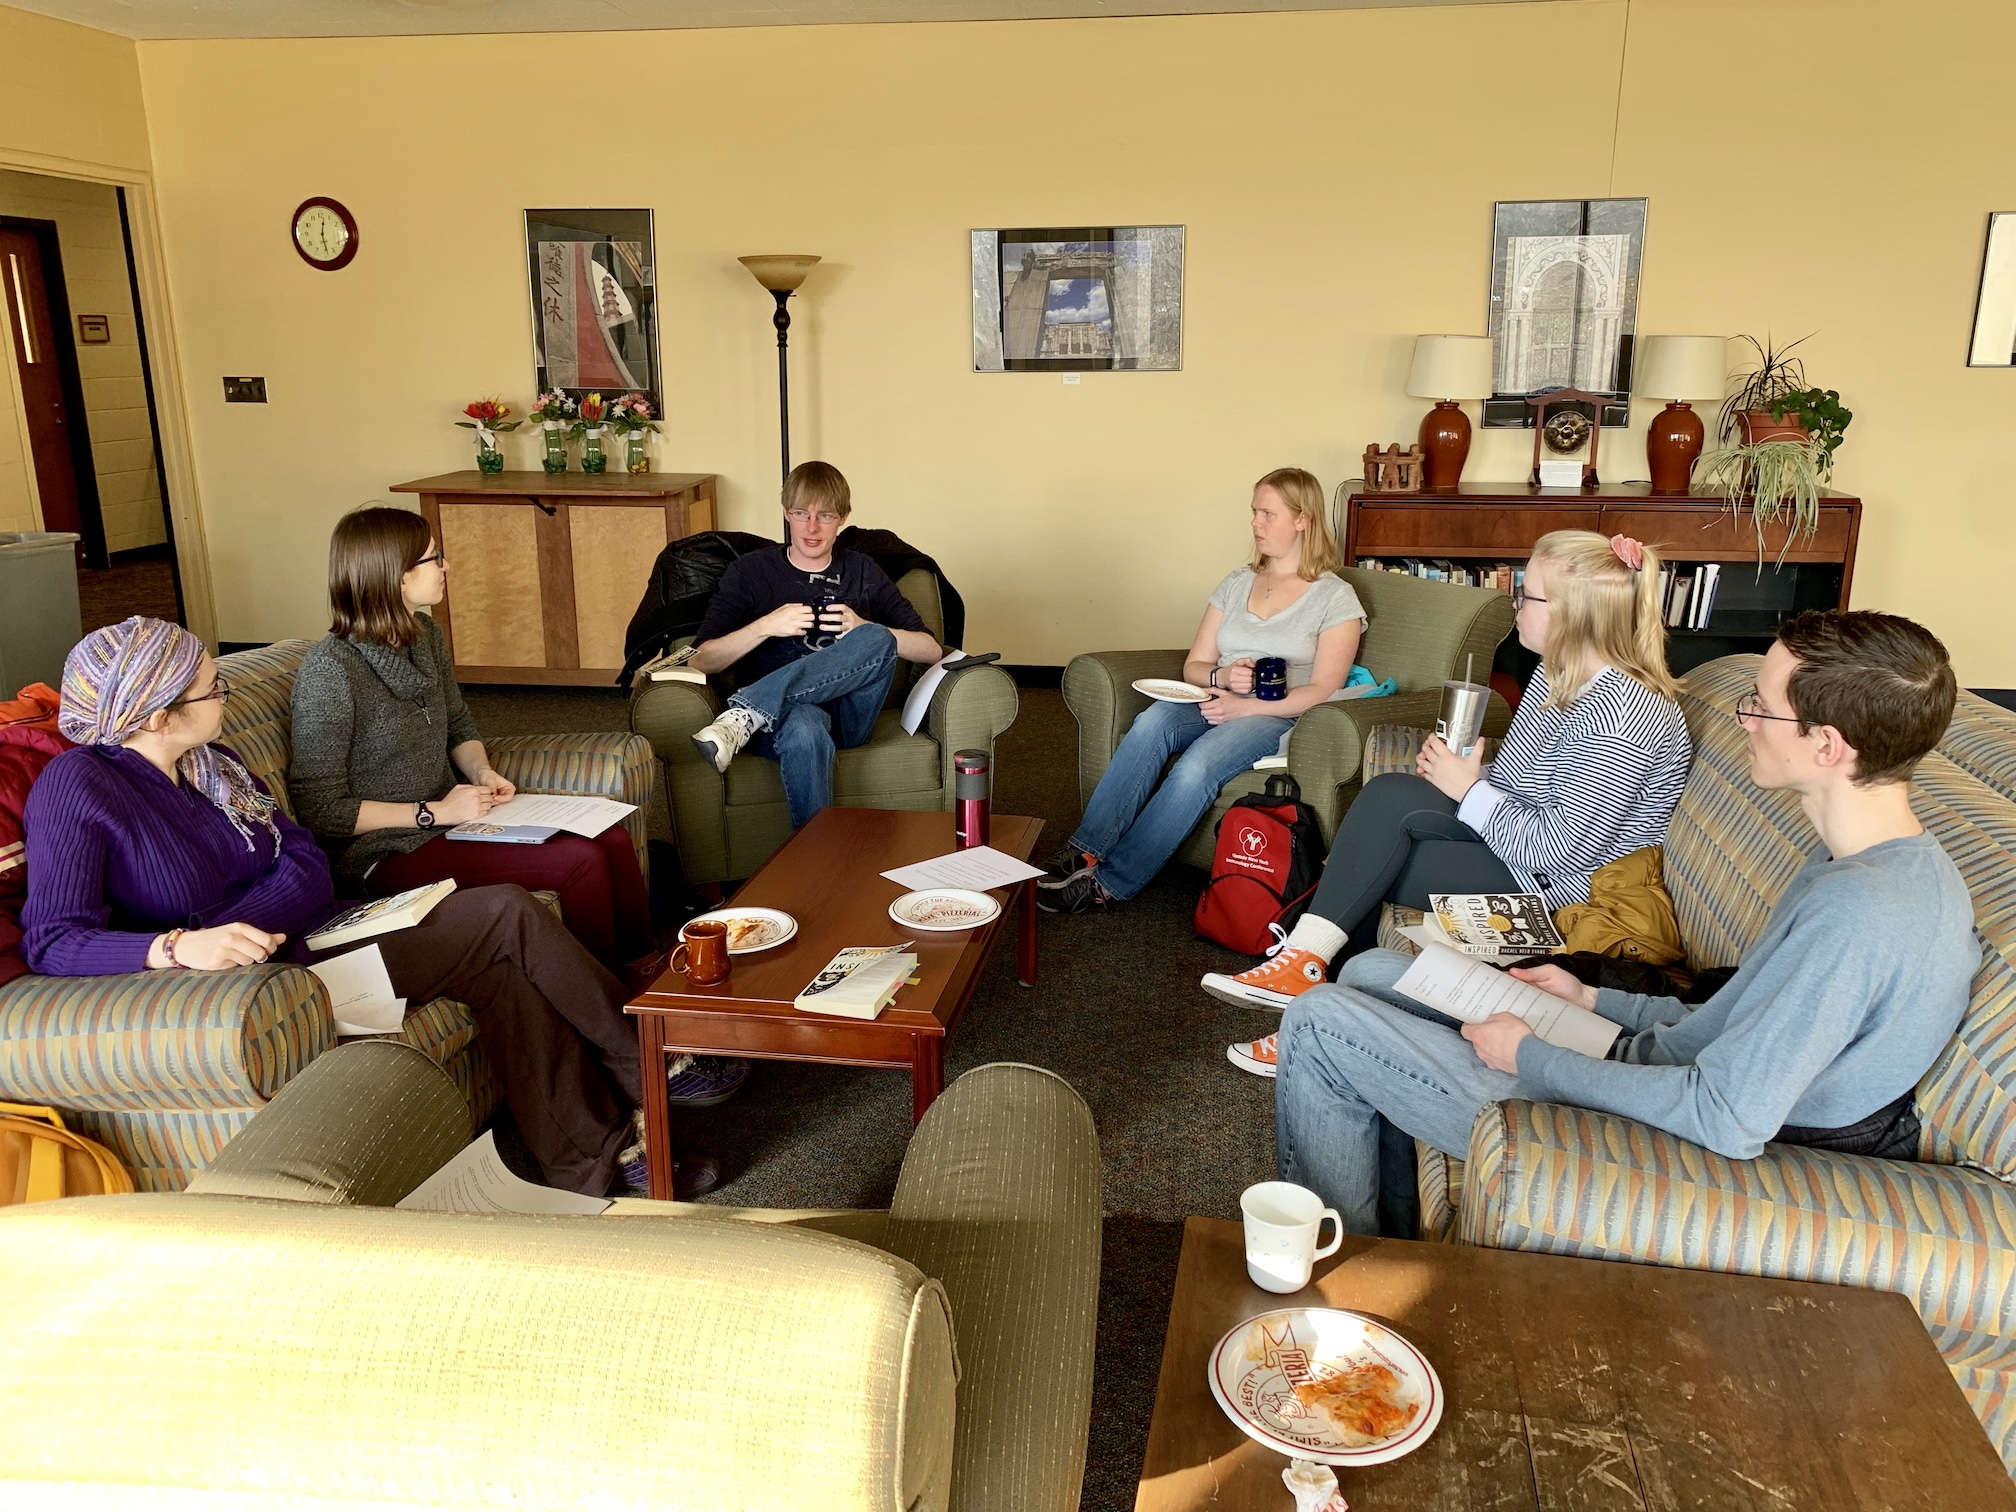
<point>504,834</point>
<point>859,982</point>
<point>400,911</point>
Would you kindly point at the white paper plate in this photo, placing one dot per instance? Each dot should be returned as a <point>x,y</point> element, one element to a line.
<point>749,929</point>
<point>1168,690</point>
<point>944,909</point>
<point>1254,1369</point>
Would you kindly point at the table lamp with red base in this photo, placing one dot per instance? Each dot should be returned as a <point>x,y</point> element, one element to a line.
<point>1448,369</point>
<point>1682,369</point>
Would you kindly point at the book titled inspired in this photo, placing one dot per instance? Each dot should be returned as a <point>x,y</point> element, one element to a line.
<point>859,982</point>
<point>504,834</point>
<point>1496,924</point>
<point>672,667</point>
<point>400,911</point>
<point>1472,991</point>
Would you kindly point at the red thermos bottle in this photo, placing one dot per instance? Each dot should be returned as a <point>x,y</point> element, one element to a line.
<point>971,781</point>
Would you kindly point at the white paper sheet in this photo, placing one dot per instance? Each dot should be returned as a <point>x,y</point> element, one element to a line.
<point>360,992</point>
<point>918,703</point>
<point>979,869</point>
<point>576,814</point>
<point>1471,991</point>
<point>478,1181</point>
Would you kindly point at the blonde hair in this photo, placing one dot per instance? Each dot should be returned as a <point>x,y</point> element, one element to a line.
<point>812,483</point>
<point>1303,495</point>
<point>1602,611</point>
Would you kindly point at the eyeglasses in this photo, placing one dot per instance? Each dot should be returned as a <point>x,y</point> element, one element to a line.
<point>438,556</point>
<point>1751,706</point>
<point>806,516</point>
<point>1521,598</point>
<point>219,690</point>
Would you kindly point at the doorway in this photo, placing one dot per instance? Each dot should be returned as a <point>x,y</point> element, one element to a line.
<point>84,389</point>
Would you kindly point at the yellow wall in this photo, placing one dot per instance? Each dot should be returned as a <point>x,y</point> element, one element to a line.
<point>1336,186</point>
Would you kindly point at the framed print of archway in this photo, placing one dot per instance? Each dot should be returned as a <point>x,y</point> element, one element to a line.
<point>1564,303</point>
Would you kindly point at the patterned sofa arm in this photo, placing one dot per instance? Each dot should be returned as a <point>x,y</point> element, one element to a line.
<point>605,764</point>
<point>1395,742</point>
<point>969,711</point>
<point>1571,1181</point>
<point>161,1039</point>
<point>1098,690</point>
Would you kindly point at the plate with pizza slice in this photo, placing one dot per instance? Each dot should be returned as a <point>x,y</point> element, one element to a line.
<point>1324,1384</point>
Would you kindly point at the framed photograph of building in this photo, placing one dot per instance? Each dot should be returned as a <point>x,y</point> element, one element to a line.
<point>594,301</point>
<point>1078,298</point>
<point>1994,339</point>
<point>1564,303</point>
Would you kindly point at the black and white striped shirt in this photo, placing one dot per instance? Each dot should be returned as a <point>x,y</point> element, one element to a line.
<point>1573,789</point>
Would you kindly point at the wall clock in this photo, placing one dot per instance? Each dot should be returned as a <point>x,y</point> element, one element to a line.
<point>325,234</point>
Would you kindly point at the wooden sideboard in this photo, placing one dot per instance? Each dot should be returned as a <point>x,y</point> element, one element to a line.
<point>545,569</point>
<point>1499,522</point>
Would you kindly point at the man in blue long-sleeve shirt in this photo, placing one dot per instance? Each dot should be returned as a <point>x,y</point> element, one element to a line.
<point>1853,990</point>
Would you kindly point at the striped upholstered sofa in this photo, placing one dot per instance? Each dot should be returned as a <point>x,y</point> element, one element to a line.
<point>165,1067</point>
<point>1941,1231</point>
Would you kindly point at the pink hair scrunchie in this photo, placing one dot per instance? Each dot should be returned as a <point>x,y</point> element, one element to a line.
<point>1631,553</point>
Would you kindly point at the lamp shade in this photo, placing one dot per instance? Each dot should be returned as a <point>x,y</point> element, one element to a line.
<point>1687,368</point>
<point>1450,367</point>
<point>779,272</point>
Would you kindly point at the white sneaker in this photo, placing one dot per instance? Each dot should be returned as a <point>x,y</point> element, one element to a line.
<point>1257,1056</point>
<point>734,729</point>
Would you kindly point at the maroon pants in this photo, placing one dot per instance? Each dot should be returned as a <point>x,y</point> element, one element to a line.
<point>550,1018</point>
<point>602,892</point>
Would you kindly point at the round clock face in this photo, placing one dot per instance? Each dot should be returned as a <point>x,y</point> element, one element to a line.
<point>324,234</point>
<point>1566,431</point>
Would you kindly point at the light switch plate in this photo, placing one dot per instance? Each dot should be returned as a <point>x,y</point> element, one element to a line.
<point>244,390</point>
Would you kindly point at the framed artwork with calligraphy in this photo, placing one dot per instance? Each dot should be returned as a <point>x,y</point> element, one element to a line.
<point>1564,303</point>
<point>594,302</point>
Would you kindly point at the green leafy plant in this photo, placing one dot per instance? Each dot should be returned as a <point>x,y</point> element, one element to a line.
<point>1775,479</point>
<point>1822,414</point>
<point>1776,376</point>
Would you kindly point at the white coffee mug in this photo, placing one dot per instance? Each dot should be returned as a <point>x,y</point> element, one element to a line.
<point>1282,1222</point>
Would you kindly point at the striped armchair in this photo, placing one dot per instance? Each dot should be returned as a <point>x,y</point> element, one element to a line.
<point>165,1067</point>
<point>1941,1231</point>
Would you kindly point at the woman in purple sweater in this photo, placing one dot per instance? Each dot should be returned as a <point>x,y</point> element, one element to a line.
<point>150,849</point>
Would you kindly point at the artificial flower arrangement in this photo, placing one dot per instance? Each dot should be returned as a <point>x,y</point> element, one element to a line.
<point>594,412</point>
<point>553,410</point>
<point>487,417</point>
<point>632,418</point>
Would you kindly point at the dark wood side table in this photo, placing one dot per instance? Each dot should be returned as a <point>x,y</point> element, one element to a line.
<point>1592,1385</point>
<point>828,878</point>
<point>545,569</point>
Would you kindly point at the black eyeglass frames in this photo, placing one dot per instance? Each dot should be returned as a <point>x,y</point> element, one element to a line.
<point>1751,706</point>
<point>1521,598</point>
<point>219,690</point>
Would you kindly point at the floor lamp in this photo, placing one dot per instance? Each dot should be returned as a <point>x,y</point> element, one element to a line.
<point>781,273</point>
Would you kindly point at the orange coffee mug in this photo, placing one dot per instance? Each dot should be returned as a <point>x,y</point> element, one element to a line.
<point>702,957</point>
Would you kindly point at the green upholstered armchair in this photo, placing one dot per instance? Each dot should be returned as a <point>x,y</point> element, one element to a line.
<point>730,824</point>
<point>166,1066</point>
<point>1420,634</point>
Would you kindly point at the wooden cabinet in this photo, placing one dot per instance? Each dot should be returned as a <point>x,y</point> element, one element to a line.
<point>545,569</point>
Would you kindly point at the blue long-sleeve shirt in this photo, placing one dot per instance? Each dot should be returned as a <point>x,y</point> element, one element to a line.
<point>1854,989</point>
<point>118,854</point>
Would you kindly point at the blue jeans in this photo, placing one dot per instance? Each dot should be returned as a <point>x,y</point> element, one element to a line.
<point>818,704</point>
<point>1131,825</point>
<point>1358,1061</point>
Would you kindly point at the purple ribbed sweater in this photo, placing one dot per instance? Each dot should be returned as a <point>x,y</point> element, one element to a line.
<point>118,854</point>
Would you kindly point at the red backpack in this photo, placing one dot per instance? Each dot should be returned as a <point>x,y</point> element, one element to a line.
<point>1264,870</point>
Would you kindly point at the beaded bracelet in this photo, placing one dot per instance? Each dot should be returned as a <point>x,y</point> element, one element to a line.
<point>168,945</point>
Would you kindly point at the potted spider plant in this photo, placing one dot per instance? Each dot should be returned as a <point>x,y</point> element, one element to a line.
<point>1778,437</point>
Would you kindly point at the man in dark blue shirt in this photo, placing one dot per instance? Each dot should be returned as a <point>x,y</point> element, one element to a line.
<point>815,634</point>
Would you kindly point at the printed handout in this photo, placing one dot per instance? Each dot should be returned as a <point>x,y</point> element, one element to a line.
<point>576,814</point>
<point>977,868</point>
<point>478,1181</point>
<point>360,992</point>
<point>1472,991</point>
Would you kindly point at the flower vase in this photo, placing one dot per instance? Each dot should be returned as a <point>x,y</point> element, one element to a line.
<point>637,458</point>
<point>555,460</point>
<point>489,459</point>
<point>592,458</point>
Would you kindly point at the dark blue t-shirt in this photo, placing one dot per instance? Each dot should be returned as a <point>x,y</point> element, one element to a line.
<point>764,580</point>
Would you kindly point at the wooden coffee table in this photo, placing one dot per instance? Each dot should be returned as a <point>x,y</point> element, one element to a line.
<point>1593,1385</point>
<point>828,878</point>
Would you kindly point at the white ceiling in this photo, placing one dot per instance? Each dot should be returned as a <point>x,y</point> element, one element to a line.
<point>164,19</point>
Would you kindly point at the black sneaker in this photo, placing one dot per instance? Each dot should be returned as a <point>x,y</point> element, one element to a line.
<point>1066,864</point>
<point>1075,895</point>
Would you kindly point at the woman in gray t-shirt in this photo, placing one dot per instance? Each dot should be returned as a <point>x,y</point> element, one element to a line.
<point>1287,602</point>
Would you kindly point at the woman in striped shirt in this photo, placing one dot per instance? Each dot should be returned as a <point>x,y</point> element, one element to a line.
<point>1590,771</point>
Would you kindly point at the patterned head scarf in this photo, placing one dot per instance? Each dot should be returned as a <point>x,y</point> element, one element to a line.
<point>117,678</point>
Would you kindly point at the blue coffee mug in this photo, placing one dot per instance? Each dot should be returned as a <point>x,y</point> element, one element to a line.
<point>1270,678</point>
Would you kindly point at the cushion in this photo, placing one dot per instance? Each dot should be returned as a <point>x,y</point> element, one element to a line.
<point>259,715</point>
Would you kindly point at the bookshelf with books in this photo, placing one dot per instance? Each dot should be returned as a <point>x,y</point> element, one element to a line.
<point>1718,598</point>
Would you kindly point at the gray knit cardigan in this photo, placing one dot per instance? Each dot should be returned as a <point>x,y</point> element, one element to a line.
<point>373,722</point>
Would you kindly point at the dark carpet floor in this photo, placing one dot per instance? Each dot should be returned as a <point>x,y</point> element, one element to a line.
<point>1116,1012</point>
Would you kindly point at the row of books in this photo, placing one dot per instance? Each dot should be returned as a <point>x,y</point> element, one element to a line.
<point>1687,595</point>
<point>1504,576</point>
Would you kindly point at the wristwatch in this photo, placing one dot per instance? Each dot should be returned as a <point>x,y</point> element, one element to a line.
<point>423,816</point>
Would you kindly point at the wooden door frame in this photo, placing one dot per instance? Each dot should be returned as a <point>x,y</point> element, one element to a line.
<point>83,462</point>
<point>182,502</point>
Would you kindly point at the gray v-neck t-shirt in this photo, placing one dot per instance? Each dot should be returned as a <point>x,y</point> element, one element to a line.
<point>1291,634</point>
